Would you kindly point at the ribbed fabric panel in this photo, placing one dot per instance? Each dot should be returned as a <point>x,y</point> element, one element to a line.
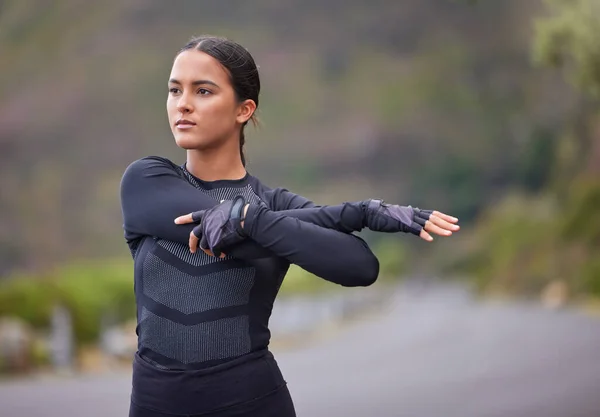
<point>183,252</point>
<point>230,193</point>
<point>173,288</point>
<point>214,340</point>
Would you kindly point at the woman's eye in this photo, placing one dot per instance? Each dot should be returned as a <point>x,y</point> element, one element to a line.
<point>203,91</point>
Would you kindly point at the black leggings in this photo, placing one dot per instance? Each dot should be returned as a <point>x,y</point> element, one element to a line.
<point>276,404</point>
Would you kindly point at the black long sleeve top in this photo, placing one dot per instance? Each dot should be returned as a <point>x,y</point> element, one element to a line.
<point>197,312</point>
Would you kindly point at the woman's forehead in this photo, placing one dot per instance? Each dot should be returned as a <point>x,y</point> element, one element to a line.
<point>193,65</point>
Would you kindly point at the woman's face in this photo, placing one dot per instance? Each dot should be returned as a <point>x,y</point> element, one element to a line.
<point>202,108</point>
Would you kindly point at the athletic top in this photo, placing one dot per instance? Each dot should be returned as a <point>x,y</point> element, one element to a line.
<point>196,312</point>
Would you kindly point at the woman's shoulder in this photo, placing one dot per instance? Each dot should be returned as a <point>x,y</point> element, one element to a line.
<point>152,166</point>
<point>153,161</point>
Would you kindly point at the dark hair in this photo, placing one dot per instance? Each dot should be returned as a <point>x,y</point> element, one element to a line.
<point>239,63</point>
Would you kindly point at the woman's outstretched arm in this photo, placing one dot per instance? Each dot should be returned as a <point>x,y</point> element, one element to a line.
<point>336,256</point>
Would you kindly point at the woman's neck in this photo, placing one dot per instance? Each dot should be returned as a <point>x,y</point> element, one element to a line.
<point>215,164</point>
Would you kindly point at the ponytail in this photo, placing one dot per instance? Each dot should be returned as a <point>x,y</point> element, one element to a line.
<point>242,142</point>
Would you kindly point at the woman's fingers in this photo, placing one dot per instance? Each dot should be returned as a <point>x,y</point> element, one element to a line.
<point>432,228</point>
<point>425,236</point>
<point>209,253</point>
<point>193,242</point>
<point>445,217</point>
<point>195,217</point>
<point>440,224</point>
<point>439,221</point>
<point>184,219</point>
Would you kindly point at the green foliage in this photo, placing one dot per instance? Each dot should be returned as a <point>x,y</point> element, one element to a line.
<point>89,290</point>
<point>581,221</point>
<point>299,281</point>
<point>536,161</point>
<point>40,354</point>
<point>523,243</point>
<point>30,299</point>
<point>568,38</point>
<point>392,254</point>
<point>508,236</point>
<point>590,276</point>
<point>93,290</point>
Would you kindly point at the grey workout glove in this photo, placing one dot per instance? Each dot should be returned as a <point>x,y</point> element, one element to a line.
<point>220,226</point>
<point>388,218</point>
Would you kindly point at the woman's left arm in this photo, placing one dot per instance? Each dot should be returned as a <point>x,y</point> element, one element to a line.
<point>338,257</point>
<point>316,244</point>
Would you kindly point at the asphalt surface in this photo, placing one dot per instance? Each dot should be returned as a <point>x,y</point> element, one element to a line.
<point>433,352</point>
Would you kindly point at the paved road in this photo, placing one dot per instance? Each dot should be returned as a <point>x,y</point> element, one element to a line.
<point>431,353</point>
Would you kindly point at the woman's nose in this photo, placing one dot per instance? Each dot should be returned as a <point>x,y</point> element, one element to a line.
<point>184,105</point>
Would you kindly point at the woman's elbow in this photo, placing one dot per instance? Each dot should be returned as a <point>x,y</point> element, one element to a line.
<point>362,271</point>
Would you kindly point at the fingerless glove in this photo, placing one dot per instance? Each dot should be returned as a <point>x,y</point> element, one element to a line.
<point>389,218</point>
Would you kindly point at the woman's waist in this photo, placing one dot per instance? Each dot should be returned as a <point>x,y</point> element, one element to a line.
<point>197,391</point>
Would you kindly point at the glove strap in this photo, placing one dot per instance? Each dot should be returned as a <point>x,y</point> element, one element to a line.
<point>236,215</point>
<point>237,208</point>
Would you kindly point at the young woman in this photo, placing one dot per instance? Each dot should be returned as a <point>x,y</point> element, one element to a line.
<point>203,314</point>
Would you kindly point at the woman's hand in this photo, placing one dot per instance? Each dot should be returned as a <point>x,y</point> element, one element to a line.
<point>218,227</point>
<point>440,224</point>
<point>389,218</point>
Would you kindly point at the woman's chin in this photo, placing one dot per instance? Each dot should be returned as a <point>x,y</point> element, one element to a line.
<point>188,142</point>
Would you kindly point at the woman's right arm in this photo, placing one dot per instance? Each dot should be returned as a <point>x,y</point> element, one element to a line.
<point>154,193</point>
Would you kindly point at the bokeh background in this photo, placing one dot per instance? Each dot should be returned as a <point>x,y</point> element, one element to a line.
<point>486,110</point>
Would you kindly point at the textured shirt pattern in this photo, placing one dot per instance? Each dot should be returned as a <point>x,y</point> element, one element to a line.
<point>184,284</point>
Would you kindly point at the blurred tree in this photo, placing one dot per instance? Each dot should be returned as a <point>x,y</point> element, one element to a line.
<point>568,38</point>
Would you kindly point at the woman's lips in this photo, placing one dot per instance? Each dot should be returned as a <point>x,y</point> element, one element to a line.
<point>184,124</point>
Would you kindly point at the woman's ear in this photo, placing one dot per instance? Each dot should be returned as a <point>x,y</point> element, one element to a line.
<point>245,111</point>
